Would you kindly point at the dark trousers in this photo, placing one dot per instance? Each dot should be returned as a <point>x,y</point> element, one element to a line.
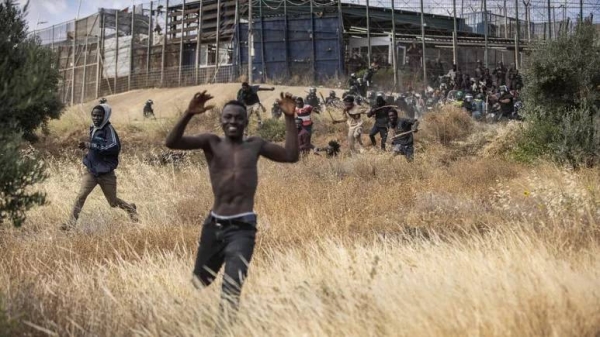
<point>407,150</point>
<point>108,184</point>
<point>382,131</point>
<point>229,242</point>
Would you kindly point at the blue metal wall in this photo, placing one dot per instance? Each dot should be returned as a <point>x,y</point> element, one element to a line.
<point>284,59</point>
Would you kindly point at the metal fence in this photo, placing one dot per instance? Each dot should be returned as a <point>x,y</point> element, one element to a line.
<point>170,43</point>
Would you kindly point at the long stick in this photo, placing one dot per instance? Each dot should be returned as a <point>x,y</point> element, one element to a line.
<point>403,134</point>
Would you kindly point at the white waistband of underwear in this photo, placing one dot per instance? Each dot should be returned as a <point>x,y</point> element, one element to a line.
<point>229,217</point>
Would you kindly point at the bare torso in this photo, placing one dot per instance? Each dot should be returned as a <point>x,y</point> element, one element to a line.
<point>233,174</point>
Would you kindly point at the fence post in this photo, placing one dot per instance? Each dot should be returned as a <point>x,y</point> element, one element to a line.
<point>84,65</point>
<point>99,48</point>
<point>262,42</point>
<point>238,34</point>
<point>74,61</point>
<point>131,48</point>
<point>394,56</point>
<point>149,49</point>
<point>424,51</point>
<point>250,42</point>
<point>181,41</point>
<point>517,35</point>
<point>341,53</point>
<point>198,42</point>
<point>116,50</point>
<point>162,59</point>
<point>218,40</point>
<point>368,34</point>
<point>312,35</point>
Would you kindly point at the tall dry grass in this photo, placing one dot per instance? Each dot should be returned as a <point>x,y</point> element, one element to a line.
<point>368,245</point>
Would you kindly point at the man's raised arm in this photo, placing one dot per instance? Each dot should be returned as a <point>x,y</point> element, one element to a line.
<point>176,140</point>
<point>291,152</point>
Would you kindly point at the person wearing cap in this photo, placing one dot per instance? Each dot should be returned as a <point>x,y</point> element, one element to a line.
<point>304,112</point>
<point>100,161</point>
<point>352,116</point>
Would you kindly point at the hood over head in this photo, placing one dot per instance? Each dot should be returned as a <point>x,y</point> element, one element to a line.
<point>107,112</point>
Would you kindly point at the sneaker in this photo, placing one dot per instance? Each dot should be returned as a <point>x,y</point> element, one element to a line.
<point>133,215</point>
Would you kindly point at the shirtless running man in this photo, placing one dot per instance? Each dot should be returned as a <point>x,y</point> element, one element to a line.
<point>228,233</point>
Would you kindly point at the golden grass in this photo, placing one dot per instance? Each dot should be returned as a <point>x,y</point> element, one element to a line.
<point>368,245</point>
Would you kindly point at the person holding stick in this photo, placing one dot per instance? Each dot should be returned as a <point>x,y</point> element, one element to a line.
<point>229,231</point>
<point>403,141</point>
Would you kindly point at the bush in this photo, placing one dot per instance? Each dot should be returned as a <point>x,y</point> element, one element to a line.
<point>28,93</point>
<point>562,100</point>
<point>17,174</point>
<point>272,130</point>
<point>446,126</point>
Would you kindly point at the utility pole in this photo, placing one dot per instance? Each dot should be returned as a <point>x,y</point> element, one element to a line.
<point>250,42</point>
<point>485,33</point>
<point>517,35</point>
<point>423,52</point>
<point>454,35</point>
<point>549,22</point>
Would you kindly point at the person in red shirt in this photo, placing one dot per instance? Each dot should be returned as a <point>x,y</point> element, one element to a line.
<point>304,112</point>
<point>304,144</point>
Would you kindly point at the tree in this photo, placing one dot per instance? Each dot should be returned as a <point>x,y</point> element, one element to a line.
<point>562,99</point>
<point>28,100</point>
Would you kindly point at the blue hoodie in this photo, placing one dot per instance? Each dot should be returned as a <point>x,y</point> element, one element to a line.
<point>103,155</point>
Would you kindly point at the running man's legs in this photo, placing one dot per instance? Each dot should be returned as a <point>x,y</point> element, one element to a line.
<point>108,183</point>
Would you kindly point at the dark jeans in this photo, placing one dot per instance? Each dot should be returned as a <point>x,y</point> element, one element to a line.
<point>382,131</point>
<point>308,128</point>
<point>405,150</point>
<point>229,242</point>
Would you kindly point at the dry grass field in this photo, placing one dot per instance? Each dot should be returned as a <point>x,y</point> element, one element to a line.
<point>461,242</point>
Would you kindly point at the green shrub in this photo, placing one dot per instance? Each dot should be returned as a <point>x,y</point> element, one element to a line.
<point>272,130</point>
<point>562,100</point>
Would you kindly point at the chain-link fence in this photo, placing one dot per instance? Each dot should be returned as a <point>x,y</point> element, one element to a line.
<point>171,43</point>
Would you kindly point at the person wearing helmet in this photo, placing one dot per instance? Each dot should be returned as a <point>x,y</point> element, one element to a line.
<point>506,102</point>
<point>477,107</point>
<point>312,99</point>
<point>332,99</point>
<point>468,103</point>
<point>362,87</point>
<point>459,99</point>
<point>352,82</point>
<point>148,111</point>
<point>380,112</point>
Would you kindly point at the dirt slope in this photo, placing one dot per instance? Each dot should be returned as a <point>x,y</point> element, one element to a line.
<point>167,102</point>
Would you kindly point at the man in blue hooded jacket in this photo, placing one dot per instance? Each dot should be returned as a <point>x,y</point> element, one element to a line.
<point>101,161</point>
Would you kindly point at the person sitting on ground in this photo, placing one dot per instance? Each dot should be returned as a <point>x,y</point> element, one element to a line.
<point>352,116</point>
<point>331,150</point>
<point>229,231</point>
<point>381,113</point>
<point>249,96</point>
<point>100,161</point>
<point>148,111</point>
<point>304,143</point>
<point>276,111</point>
<point>403,141</point>
<point>304,112</point>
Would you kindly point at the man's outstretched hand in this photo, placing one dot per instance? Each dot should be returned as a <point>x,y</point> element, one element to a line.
<point>198,103</point>
<point>287,104</point>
